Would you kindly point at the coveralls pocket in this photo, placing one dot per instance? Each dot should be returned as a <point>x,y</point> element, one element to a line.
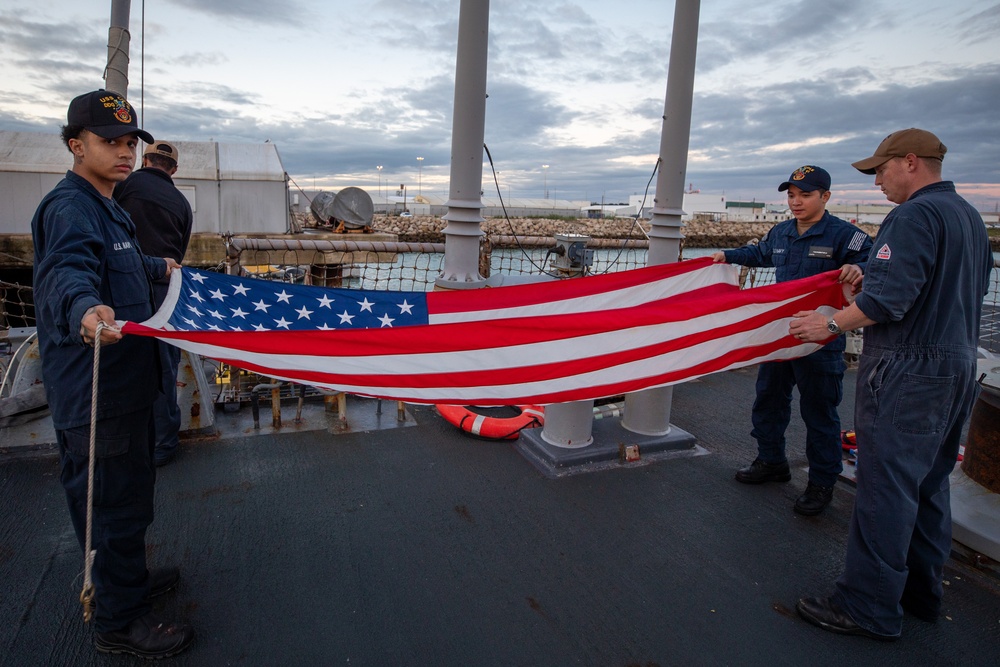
<point>127,280</point>
<point>112,485</point>
<point>924,403</point>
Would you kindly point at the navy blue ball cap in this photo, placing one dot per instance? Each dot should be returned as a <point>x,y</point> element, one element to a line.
<point>107,114</point>
<point>807,178</point>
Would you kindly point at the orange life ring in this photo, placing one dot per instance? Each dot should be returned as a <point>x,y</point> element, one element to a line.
<point>492,428</point>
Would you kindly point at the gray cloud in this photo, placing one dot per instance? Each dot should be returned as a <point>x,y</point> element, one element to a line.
<point>744,139</point>
<point>287,12</point>
<point>981,27</point>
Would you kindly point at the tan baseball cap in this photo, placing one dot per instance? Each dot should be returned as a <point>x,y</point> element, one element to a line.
<point>164,148</point>
<point>900,144</point>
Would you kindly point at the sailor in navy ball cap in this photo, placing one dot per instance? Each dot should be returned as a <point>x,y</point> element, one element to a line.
<point>811,242</point>
<point>107,114</point>
<point>89,271</point>
<point>807,178</point>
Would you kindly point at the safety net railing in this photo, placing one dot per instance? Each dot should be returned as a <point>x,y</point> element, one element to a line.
<point>374,265</point>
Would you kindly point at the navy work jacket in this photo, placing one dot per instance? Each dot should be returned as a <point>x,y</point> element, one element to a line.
<point>86,254</point>
<point>826,246</point>
<point>162,216</point>
<point>929,271</point>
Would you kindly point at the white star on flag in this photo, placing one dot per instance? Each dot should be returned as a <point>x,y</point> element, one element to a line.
<point>556,342</point>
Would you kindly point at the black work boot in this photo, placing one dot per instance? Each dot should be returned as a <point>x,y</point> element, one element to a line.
<point>759,472</point>
<point>147,637</point>
<point>161,580</point>
<point>814,500</point>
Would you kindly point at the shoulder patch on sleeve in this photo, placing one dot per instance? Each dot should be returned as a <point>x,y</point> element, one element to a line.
<point>884,252</point>
<point>857,240</point>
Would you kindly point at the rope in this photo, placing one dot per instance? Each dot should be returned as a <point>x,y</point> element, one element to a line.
<point>87,594</point>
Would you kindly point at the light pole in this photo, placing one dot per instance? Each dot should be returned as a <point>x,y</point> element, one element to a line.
<point>545,179</point>
<point>379,167</point>
<point>420,174</point>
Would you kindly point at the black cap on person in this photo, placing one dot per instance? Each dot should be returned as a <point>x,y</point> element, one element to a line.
<point>807,178</point>
<point>107,114</point>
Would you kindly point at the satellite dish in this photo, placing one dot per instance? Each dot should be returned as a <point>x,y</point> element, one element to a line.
<point>351,207</point>
<point>321,207</point>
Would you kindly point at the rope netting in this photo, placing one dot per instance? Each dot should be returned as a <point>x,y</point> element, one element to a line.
<point>416,266</point>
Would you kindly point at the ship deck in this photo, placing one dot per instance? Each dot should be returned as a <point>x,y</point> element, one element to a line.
<point>417,545</point>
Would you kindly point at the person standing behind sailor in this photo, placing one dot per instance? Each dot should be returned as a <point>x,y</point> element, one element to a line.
<point>163,222</point>
<point>920,306</point>
<point>88,270</point>
<point>812,242</point>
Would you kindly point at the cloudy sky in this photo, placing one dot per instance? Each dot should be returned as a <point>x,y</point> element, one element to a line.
<point>344,85</point>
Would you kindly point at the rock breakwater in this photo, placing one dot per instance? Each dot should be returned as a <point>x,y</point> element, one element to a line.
<point>697,234</point>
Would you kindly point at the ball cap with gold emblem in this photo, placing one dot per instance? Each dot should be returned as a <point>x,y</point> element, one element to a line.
<point>107,114</point>
<point>808,178</point>
<point>900,144</point>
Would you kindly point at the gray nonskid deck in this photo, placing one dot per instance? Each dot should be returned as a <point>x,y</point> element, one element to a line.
<point>420,546</point>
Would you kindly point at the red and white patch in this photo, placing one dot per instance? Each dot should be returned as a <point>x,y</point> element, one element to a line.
<point>884,252</point>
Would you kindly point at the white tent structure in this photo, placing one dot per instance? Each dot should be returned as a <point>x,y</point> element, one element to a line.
<point>238,188</point>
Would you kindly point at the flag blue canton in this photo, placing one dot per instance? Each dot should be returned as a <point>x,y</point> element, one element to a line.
<point>218,302</point>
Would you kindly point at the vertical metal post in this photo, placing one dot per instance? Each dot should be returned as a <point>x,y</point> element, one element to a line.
<point>276,407</point>
<point>116,71</point>
<point>460,269</point>
<point>648,412</point>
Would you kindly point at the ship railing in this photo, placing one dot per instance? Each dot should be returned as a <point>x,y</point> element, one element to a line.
<point>411,266</point>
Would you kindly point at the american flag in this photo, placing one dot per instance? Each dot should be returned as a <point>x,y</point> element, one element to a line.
<point>550,342</point>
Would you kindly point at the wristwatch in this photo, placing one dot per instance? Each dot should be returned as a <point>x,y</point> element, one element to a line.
<point>833,328</point>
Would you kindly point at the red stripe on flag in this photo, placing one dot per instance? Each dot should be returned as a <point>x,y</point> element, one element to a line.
<point>515,296</point>
<point>430,347</point>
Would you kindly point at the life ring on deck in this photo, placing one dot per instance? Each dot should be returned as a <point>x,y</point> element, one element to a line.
<point>492,428</point>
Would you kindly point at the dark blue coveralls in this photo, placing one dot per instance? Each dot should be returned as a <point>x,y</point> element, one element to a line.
<point>826,246</point>
<point>86,254</point>
<point>163,221</point>
<point>929,270</point>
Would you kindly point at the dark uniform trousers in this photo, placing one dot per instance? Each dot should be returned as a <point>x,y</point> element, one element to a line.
<point>820,380</point>
<point>909,414</point>
<point>166,413</point>
<point>124,476</point>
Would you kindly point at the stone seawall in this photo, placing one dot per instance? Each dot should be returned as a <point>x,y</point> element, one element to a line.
<point>428,229</point>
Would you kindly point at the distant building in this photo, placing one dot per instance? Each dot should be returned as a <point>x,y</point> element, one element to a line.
<point>696,205</point>
<point>746,211</point>
<point>861,214</point>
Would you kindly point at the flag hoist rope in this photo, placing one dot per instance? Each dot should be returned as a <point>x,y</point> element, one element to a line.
<point>87,594</point>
